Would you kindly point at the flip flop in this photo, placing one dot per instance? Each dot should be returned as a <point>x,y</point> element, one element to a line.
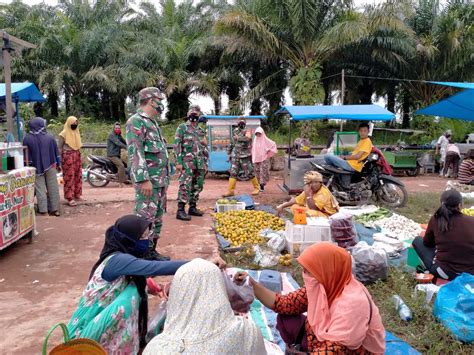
<point>72,203</point>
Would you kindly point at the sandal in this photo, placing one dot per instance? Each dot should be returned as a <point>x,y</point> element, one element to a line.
<point>72,203</point>
<point>55,213</point>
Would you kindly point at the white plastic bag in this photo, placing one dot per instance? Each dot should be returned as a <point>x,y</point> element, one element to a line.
<point>277,242</point>
<point>370,263</point>
<point>240,296</point>
<point>265,257</point>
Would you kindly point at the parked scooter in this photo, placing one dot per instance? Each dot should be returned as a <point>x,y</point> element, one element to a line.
<point>102,171</point>
<point>370,183</point>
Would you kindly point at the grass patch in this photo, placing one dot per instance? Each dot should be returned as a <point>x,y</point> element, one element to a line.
<point>420,206</point>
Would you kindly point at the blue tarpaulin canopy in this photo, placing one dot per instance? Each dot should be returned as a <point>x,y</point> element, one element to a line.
<point>230,117</point>
<point>22,92</point>
<point>459,106</point>
<point>344,112</point>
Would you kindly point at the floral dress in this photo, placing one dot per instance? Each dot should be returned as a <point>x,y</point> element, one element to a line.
<point>108,314</point>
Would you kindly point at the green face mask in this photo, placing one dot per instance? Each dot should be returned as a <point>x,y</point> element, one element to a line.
<point>158,106</point>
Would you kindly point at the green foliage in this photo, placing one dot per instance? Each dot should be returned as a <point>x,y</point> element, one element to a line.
<point>305,85</point>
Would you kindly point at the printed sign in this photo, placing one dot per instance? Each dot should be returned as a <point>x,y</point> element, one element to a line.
<point>17,192</point>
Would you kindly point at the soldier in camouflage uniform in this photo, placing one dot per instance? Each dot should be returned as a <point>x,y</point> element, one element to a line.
<point>191,164</point>
<point>148,162</point>
<point>240,156</point>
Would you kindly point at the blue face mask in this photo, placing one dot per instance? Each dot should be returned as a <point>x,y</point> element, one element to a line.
<point>141,247</point>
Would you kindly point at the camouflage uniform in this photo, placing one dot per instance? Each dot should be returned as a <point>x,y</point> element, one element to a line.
<point>148,161</point>
<point>241,155</point>
<point>189,152</point>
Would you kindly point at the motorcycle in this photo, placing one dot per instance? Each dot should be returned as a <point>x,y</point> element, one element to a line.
<point>102,171</point>
<point>371,182</point>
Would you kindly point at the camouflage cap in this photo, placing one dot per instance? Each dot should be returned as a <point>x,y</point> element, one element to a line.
<point>149,93</point>
<point>195,108</point>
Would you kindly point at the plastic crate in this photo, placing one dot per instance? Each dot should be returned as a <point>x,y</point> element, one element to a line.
<point>308,233</point>
<point>296,248</point>
<point>238,206</point>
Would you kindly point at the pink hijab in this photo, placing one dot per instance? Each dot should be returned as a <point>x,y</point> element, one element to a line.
<point>339,306</point>
<point>262,147</point>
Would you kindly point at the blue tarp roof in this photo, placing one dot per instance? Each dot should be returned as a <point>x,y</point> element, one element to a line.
<point>459,106</point>
<point>230,117</point>
<point>345,112</point>
<point>23,92</point>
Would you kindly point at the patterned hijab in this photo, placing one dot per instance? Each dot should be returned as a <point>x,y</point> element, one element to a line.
<point>199,317</point>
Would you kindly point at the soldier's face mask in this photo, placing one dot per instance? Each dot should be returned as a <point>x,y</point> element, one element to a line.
<point>157,105</point>
<point>193,117</point>
<point>241,125</point>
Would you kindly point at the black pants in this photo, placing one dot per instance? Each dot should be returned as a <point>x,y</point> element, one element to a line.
<point>427,256</point>
<point>452,161</point>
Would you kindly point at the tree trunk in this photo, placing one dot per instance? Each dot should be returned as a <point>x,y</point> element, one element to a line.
<point>122,111</point>
<point>53,103</point>
<point>406,110</point>
<point>256,107</point>
<point>365,93</point>
<point>67,102</point>
<point>327,92</point>
<point>178,104</point>
<point>391,94</point>
<point>105,106</point>
<point>115,110</point>
<point>217,105</point>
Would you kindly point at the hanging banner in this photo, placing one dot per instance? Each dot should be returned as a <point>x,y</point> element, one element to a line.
<point>17,193</point>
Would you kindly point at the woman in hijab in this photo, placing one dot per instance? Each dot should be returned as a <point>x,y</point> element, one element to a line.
<point>341,316</point>
<point>113,309</point>
<point>69,145</point>
<point>447,248</point>
<point>199,318</point>
<point>44,155</point>
<point>262,150</point>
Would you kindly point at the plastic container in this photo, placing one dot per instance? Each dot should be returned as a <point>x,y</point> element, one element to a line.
<point>424,278</point>
<point>296,248</point>
<point>299,215</point>
<point>309,233</point>
<point>271,279</point>
<point>403,310</point>
<point>238,206</point>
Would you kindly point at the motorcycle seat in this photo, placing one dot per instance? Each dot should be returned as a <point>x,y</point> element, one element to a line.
<point>100,159</point>
<point>335,170</point>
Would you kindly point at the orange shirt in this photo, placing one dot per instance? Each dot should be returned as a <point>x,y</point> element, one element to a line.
<point>365,146</point>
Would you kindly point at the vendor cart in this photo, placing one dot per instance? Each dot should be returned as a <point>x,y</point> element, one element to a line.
<point>220,134</point>
<point>295,167</point>
<point>17,182</point>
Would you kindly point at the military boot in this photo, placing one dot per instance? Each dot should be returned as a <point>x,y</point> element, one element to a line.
<point>153,255</point>
<point>193,211</point>
<point>181,214</point>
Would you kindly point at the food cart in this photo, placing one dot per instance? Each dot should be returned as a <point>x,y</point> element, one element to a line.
<point>295,167</point>
<point>17,182</point>
<point>220,130</point>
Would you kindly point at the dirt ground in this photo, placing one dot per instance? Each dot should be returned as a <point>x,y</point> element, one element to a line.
<point>41,283</point>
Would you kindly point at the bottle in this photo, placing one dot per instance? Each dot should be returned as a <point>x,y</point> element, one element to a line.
<point>403,311</point>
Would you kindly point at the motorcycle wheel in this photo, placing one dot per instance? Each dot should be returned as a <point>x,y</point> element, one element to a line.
<point>95,181</point>
<point>392,195</point>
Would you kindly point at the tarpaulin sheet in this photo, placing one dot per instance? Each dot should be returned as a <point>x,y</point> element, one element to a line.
<point>344,112</point>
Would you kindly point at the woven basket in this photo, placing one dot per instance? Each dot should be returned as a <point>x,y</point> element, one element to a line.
<point>72,347</point>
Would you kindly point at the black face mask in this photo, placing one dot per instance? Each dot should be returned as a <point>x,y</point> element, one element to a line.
<point>241,125</point>
<point>74,126</point>
<point>193,117</point>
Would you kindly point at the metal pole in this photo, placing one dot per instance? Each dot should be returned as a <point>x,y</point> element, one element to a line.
<point>289,148</point>
<point>8,81</point>
<point>343,89</point>
<point>18,120</point>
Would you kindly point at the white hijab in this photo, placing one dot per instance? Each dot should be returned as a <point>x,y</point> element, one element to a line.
<point>199,318</point>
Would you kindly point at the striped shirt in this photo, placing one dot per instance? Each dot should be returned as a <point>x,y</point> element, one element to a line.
<point>466,171</point>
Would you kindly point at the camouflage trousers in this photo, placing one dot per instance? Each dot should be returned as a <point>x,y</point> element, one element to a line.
<point>191,183</point>
<point>152,208</point>
<point>262,171</point>
<point>241,166</point>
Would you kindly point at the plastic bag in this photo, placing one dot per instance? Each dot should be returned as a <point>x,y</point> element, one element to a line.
<point>240,296</point>
<point>343,231</point>
<point>454,307</point>
<point>277,241</point>
<point>265,257</point>
<point>370,264</point>
<point>157,321</point>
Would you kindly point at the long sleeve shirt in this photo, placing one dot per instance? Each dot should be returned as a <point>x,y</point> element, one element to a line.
<point>122,264</point>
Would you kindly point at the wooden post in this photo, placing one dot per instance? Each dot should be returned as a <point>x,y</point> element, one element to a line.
<point>343,89</point>
<point>8,81</point>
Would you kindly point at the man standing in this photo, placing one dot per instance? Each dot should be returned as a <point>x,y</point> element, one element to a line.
<point>191,165</point>
<point>240,156</point>
<point>115,143</point>
<point>149,164</point>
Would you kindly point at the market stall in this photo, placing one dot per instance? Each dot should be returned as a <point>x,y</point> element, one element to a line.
<point>295,167</point>
<point>17,182</point>
<point>220,134</point>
